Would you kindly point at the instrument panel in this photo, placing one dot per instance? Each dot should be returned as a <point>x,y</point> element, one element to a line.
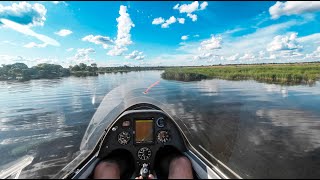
<point>142,132</point>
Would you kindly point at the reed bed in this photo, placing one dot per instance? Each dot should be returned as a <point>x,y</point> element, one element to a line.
<point>289,74</point>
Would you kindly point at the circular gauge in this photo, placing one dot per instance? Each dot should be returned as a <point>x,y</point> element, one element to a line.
<point>160,122</point>
<point>124,138</point>
<point>144,153</point>
<point>163,136</point>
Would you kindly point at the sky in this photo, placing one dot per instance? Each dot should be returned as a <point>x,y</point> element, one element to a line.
<point>175,33</point>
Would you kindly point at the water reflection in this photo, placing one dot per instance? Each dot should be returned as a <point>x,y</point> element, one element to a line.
<point>259,130</point>
<point>283,90</point>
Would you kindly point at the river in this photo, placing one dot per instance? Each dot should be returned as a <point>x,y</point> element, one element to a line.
<point>259,130</point>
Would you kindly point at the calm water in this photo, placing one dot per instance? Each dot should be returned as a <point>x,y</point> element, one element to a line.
<point>259,130</point>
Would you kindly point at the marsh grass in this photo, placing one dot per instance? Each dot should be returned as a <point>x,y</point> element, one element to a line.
<point>289,74</point>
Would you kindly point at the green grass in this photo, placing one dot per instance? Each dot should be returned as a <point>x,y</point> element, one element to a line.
<point>289,74</point>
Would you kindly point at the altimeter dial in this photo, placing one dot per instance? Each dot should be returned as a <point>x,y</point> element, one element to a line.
<point>163,136</point>
<point>144,153</point>
<point>124,138</point>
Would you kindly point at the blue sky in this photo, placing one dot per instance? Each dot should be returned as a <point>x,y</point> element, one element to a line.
<point>158,33</point>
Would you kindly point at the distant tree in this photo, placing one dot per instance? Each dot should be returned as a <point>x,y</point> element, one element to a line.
<point>75,68</point>
<point>82,66</point>
<point>89,68</point>
<point>94,67</point>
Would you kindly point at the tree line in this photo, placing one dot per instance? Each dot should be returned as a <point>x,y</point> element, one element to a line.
<point>21,72</point>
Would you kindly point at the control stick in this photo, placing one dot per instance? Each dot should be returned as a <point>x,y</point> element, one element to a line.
<point>144,171</point>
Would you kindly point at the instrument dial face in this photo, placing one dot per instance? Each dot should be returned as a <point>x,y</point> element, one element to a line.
<point>124,138</point>
<point>144,153</point>
<point>163,136</point>
<point>160,122</point>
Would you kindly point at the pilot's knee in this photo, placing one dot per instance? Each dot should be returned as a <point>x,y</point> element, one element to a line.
<point>106,168</point>
<point>181,161</point>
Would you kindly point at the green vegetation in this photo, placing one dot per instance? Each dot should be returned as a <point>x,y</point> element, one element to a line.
<point>21,72</point>
<point>289,74</point>
<point>84,70</point>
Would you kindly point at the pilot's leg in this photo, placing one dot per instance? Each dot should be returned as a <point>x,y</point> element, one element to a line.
<point>107,170</point>
<point>180,168</point>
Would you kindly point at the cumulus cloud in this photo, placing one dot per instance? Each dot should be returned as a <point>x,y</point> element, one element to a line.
<point>181,20</point>
<point>24,13</point>
<point>284,43</point>
<point>27,31</point>
<point>58,2</point>
<point>158,20</point>
<point>193,17</point>
<point>203,5</point>
<point>117,51</point>
<point>165,23</point>
<point>233,57</point>
<point>63,32</point>
<point>293,7</point>
<point>136,55</point>
<point>314,54</point>
<point>82,56</point>
<point>203,56</point>
<point>123,37</point>
<point>213,43</point>
<point>105,41</point>
<point>169,21</point>
<point>185,37</point>
<point>247,56</point>
<point>189,9</point>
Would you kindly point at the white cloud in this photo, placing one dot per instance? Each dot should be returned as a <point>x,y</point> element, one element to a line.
<point>284,43</point>
<point>187,8</point>
<point>204,56</point>
<point>136,55</point>
<point>314,54</point>
<point>169,21</point>
<point>82,56</point>
<point>194,17</point>
<point>166,23</point>
<point>33,44</point>
<point>24,13</point>
<point>247,56</point>
<point>181,20</point>
<point>203,5</point>
<point>293,7</point>
<point>117,51</point>
<point>63,32</point>
<point>27,31</point>
<point>190,8</point>
<point>105,41</point>
<point>8,59</point>
<point>233,57</point>
<point>185,37</point>
<point>158,20</point>
<point>123,37</point>
<point>257,40</point>
<point>211,44</point>
<point>69,49</point>
<point>197,35</point>
<point>310,38</point>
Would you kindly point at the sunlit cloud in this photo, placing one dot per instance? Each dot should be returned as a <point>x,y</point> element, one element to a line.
<point>63,32</point>
<point>24,13</point>
<point>27,31</point>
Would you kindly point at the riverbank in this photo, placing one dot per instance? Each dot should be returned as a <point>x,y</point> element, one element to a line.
<point>288,74</point>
